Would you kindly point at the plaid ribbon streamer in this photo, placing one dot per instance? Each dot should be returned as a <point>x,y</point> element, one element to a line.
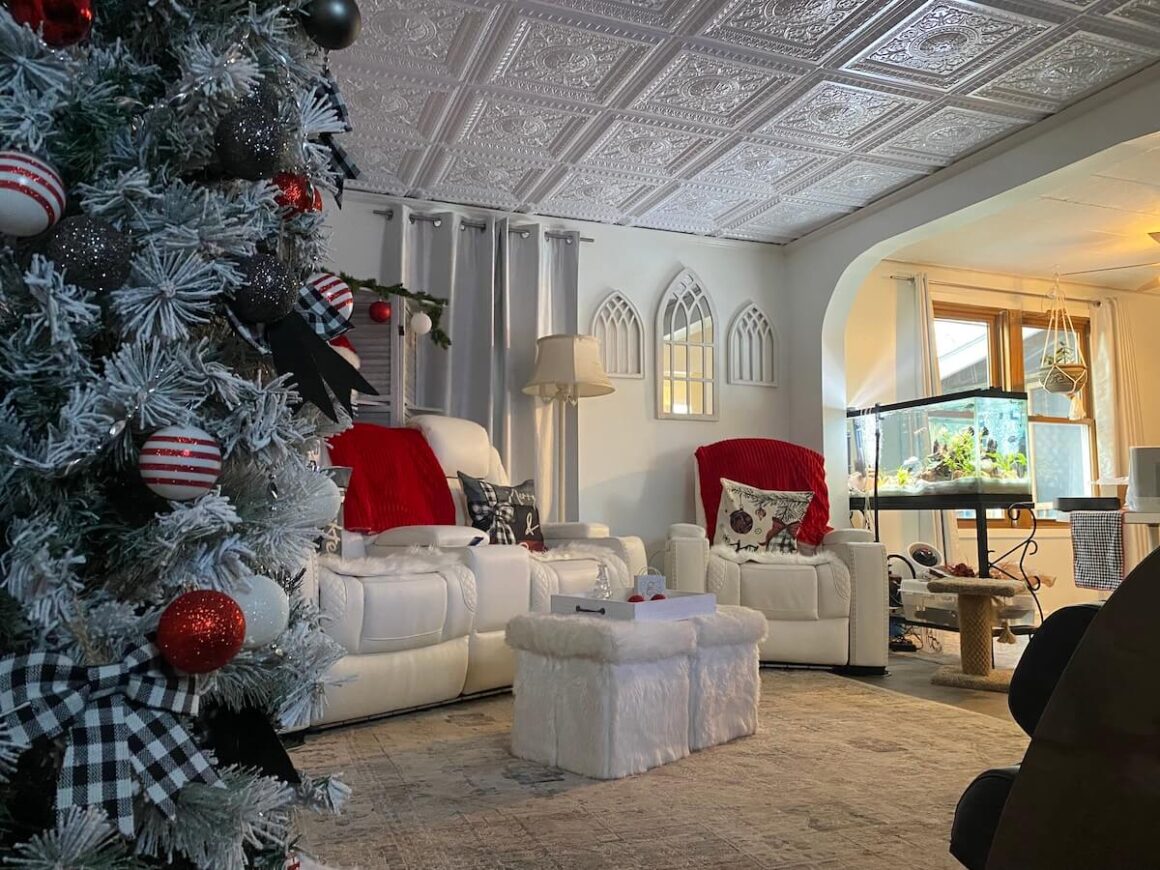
<point>1097,540</point>
<point>501,515</point>
<point>341,165</point>
<point>323,317</point>
<point>120,721</point>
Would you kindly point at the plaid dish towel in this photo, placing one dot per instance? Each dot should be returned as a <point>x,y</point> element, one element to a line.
<point>1097,539</point>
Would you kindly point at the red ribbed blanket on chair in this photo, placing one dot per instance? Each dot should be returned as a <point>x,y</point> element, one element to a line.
<point>766,464</point>
<point>397,481</point>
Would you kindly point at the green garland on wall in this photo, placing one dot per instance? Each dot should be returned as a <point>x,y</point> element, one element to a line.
<point>432,306</point>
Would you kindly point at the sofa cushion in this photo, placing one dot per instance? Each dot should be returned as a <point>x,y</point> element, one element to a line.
<point>760,520</point>
<point>796,591</point>
<point>507,513</point>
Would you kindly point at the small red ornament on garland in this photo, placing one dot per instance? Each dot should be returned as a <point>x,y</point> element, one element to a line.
<point>298,195</point>
<point>201,631</point>
<point>380,312</point>
<point>60,22</point>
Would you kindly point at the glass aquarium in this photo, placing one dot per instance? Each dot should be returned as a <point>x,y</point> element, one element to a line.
<point>971,443</point>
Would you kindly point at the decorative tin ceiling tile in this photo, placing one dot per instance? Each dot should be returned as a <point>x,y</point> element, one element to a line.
<point>694,208</point>
<point>665,14</point>
<point>606,109</point>
<point>537,127</point>
<point>599,196</point>
<point>946,42</point>
<point>1080,63</point>
<point>949,133</point>
<point>485,178</point>
<point>858,183</point>
<point>807,29</point>
<point>560,59</point>
<point>425,36</point>
<point>652,147</point>
<point>1146,12</point>
<point>788,219</point>
<point>837,114</point>
<point>761,166</point>
<point>709,88</point>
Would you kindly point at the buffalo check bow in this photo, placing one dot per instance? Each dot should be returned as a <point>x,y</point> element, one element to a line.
<point>120,720</point>
<point>501,515</point>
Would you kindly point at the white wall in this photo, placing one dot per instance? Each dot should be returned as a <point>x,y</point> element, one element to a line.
<point>880,365</point>
<point>635,471</point>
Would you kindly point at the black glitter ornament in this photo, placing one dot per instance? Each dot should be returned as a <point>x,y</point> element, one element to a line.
<point>270,290</point>
<point>92,252</point>
<point>332,24</point>
<point>741,522</point>
<point>251,144</point>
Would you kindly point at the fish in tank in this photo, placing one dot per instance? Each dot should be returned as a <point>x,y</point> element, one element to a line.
<point>971,442</point>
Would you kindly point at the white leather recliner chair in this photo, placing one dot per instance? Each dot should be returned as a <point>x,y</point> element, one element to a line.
<point>821,611</point>
<point>423,637</point>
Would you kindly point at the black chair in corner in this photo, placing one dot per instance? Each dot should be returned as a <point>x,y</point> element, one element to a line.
<point>1087,794</point>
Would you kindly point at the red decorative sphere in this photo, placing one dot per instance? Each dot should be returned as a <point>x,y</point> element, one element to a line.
<point>200,631</point>
<point>380,312</point>
<point>61,22</point>
<point>297,195</point>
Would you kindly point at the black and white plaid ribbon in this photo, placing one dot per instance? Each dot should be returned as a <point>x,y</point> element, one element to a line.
<point>324,318</point>
<point>341,165</point>
<point>499,514</point>
<point>1097,541</point>
<point>120,722</point>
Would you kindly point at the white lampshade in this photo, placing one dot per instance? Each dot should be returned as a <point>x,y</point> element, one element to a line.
<point>568,366</point>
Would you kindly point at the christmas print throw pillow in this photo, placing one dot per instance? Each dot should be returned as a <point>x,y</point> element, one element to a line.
<point>507,513</point>
<point>760,520</point>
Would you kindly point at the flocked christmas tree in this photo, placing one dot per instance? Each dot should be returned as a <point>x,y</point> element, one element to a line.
<point>163,369</point>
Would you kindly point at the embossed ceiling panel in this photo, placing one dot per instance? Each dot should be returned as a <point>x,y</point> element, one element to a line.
<point>751,119</point>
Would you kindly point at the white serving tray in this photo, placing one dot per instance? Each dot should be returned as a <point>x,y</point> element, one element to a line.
<point>679,605</point>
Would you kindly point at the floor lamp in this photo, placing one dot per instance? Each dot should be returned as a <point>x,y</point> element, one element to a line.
<point>568,368</point>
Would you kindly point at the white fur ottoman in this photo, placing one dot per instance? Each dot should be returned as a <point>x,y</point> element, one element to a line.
<point>725,680</point>
<point>604,699</point>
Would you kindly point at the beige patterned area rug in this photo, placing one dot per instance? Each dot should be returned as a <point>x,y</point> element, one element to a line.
<point>840,775</point>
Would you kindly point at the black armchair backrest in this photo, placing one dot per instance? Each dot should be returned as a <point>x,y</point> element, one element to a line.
<point>1044,661</point>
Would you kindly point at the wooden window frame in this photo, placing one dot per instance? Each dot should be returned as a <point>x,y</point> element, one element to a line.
<point>1007,371</point>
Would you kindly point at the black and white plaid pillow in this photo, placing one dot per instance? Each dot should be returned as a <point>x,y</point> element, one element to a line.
<point>507,513</point>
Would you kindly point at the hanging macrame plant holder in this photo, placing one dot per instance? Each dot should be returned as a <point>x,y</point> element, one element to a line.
<point>1063,368</point>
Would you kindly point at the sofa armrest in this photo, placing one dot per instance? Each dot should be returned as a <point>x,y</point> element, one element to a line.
<point>686,557</point>
<point>848,536</point>
<point>574,531</point>
<point>869,601</point>
<point>629,549</point>
<point>443,537</point>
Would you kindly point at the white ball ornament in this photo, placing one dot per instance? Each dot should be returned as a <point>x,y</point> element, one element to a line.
<point>335,291</point>
<point>323,506</point>
<point>32,195</point>
<point>421,323</point>
<point>180,462</point>
<point>267,610</point>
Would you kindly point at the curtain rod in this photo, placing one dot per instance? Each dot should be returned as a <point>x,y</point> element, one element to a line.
<point>1095,303</point>
<point>464,223</point>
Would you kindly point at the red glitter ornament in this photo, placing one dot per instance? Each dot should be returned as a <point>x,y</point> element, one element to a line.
<point>200,631</point>
<point>298,195</point>
<point>60,22</point>
<point>380,312</point>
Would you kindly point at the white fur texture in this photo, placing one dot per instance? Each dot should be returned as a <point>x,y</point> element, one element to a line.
<point>729,625</point>
<point>599,639</point>
<point>818,557</point>
<point>601,719</point>
<point>725,688</point>
<point>417,560</point>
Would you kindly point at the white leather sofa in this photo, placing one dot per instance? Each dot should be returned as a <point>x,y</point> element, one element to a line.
<point>417,637</point>
<point>826,608</point>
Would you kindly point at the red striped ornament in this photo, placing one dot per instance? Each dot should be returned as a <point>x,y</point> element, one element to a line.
<point>32,195</point>
<point>335,291</point>
<point>180,462</point>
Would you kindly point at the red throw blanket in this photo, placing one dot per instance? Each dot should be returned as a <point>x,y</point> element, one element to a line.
<point>766,464</point>
<point>397,481</point>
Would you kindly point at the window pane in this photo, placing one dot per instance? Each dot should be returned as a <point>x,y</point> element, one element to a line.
<point>1041,403</point>
<point>708,397</point>
<point>696,369</point>
<point>1061,463</point>
<point>696,400</point>
<point>964,354</point>
<point>680,397</point>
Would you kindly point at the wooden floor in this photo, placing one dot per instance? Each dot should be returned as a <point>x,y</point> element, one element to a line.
<point>910,673</point>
